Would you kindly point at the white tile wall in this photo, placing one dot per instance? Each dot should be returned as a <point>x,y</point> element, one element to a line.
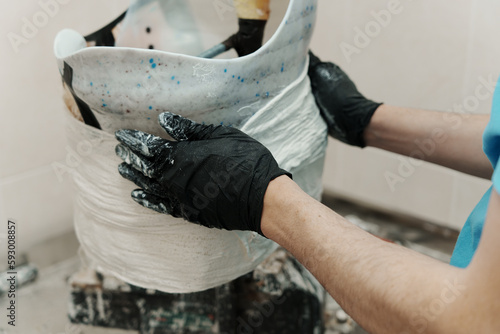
<point>31,128</point>
<point>40,204</point>
<point>430,55</point>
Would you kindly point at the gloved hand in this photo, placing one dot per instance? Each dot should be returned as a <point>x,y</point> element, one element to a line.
<point>346,112</point>
<point>215,176</point>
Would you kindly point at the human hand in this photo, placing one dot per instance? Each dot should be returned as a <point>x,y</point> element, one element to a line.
<point>215,176</point>
<point>345,110</point>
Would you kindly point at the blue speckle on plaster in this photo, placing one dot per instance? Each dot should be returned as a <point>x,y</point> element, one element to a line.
<point>257,82</point>
<point>108,92</point>
<point>139,85</point>
<point>225,70</point>
<point>282,67</point>
<point>91,84</point>
<point>153,65</point>
<point>221,123</point>
<point>239,78</point>
<point>233,76</point>
<point>310,25</point>
<point>267,94</point>
<point>148,117</point>
<point>104,105</point>
<point>142,62</point>
<point>178,82</point>
<point>150,107</point>
<point>149,77</point>
<point>242,80</point>
<point>257,95</point>
<point>173,77</point>
<point>151,61</point>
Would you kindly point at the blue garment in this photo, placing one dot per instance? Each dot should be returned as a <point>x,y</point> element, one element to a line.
<point>471,233</point>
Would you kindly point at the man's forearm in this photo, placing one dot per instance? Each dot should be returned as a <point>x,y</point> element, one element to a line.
<point>384,287</point>
<point>447,139</point>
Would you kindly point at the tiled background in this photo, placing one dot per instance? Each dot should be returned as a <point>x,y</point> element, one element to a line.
<point>32,133</point>
<point>430,56</point>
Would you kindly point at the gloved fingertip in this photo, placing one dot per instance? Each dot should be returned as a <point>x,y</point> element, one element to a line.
<point>165,117</point>
<point>127,136</point>
<point>122,133</point>
<point>313,60</point>
<point>124,169</point>
<point>123,166</point>
<point>119,135</point>
<point>119,150</point>
<point>138,194</point>
<point>177,127</point>
<point>149,201</point>
<point>172,123</point>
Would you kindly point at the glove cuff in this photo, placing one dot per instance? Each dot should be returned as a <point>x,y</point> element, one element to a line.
<point>356,138</point>
<point>260,207</point>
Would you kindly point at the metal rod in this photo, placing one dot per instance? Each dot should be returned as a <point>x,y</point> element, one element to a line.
<point>214,51</point>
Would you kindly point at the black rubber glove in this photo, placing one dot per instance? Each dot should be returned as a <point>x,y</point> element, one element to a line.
<point>215,176</point>
<point>346,112</point>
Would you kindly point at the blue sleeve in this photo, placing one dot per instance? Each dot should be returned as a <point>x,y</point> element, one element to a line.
<point>496,178</point>
<point>491,138</point>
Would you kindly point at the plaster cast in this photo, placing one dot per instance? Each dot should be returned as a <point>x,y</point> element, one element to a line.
<point>266,94</point>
